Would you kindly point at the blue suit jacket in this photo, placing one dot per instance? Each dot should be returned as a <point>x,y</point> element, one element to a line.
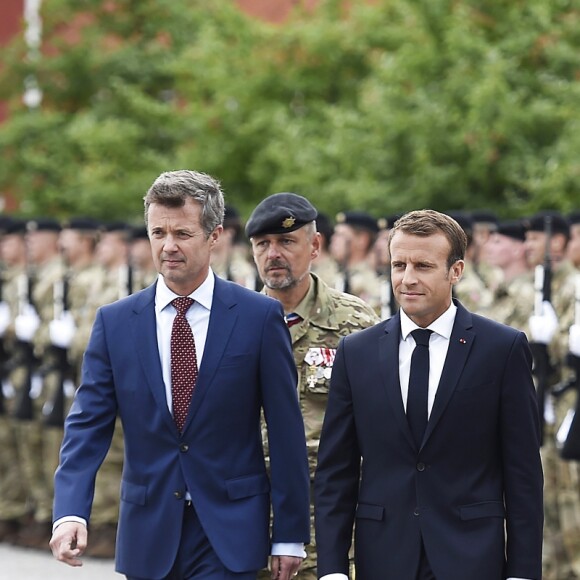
<point>247,365</point>
<point>478,467</point>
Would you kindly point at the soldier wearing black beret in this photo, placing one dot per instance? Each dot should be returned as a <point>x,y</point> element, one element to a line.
<point>285,242</point>
<point>354,237</point>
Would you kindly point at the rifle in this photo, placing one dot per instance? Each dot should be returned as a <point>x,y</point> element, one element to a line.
<point>570,429</point>
<point>343,283</point>
<point>53,410</point>
<point>23,409</point>
<point>126,280</point>
<point>543,292</point>
<point>3,354</point>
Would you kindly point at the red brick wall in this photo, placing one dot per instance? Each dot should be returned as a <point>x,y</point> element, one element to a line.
<point>272,10</point>
<point>10,23</point>
<point>269,10</point>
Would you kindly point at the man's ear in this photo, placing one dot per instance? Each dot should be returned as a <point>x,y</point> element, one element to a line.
<point>315,246</point>
<point>215,235</point>
<point>456,271</point>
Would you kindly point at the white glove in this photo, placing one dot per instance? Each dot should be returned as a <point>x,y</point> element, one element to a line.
<point>26,324</point>
<point>574,340</point>
<point>62,330</point>
<point>4,317</point>
<point>543,327</point>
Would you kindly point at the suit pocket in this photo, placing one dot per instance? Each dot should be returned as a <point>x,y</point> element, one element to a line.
<point>235,360</point>
<point>370,512</point>
<point>133,493</point>
<point>247,486</point>
<point>475,385</point>
<point>483,509</point>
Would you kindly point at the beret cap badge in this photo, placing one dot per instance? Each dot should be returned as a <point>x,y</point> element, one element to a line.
<point>288,222</point>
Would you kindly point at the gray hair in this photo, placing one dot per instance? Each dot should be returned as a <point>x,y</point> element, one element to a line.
<point>173,188</point>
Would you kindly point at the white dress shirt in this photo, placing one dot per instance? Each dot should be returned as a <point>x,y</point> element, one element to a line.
<point>438,346</point>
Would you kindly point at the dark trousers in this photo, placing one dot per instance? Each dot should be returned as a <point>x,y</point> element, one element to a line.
<point>424,572</point>
<point>196,558</point>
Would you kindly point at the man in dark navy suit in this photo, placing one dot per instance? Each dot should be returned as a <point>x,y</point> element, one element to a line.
<point>431,435</point>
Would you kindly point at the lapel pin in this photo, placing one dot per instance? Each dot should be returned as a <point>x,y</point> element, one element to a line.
<point>462,341</point>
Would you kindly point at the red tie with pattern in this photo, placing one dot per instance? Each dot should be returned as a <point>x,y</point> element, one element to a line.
<point>183,362</point>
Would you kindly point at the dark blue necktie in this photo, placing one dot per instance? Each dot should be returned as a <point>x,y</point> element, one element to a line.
<point>419,385</point>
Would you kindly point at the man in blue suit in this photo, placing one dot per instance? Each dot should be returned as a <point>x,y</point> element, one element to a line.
<point>195,493</point>
<point>435,456</point>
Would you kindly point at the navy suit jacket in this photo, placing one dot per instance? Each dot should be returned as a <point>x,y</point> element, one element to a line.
<point>476,475</point>
<point>247,365</point>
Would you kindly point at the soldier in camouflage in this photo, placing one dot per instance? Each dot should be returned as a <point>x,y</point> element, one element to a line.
<point>471,290</point>
<point>351,246</point>
<point>35,312</point>
<point>282,230</point>
<point>550,327</point>
<point>13,489</point>
<point>513,298</point>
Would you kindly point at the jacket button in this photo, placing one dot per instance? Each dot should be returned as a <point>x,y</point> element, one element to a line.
<point>420,466</point>
<point>416,512</point>
<point>178,494</point>
<point>184,448</point>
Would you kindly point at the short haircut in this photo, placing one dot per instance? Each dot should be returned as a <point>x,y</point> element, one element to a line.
<point>173,188</point>
<point>427,222</point>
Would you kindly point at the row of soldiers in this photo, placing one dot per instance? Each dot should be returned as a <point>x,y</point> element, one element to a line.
<point>56,275</point>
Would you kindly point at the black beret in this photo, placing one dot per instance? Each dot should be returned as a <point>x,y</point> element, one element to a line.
<point>13,226</point>
<point>43,225</point>
<point>231,215</point>
<point>280,213</point>
<point>139,233</point>
<point>512,229</point>
<point>358,219</point>
<point>537,223</point>
<point>81,223</point>
<point>387,222</point>
<point>324,226</point>
<point>116,226</point>
<point>5,221</point>
<point>464,219</point>
<point>574,217</point>
<point>479,216</point>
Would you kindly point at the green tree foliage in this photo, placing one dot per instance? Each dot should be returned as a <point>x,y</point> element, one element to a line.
<point>385,106</point>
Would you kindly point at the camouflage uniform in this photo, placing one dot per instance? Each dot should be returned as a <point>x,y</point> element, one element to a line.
<point>13,489</point>
<point>513,303</point>
<point>36,452</point>
<point>561,559</point>
<point>237,269</point>
<point>327,316</point>
<point>361,280</point>
<point>326,268</point>
<point>471,291</point>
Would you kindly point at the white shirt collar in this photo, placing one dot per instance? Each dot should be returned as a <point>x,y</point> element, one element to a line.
<point>203,294</point>
<point>442,325</point>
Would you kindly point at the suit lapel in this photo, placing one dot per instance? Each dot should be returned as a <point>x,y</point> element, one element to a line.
<point>460,344</point>
<point>144,330</point>
<point>389,368</point>
<point>221,323</point>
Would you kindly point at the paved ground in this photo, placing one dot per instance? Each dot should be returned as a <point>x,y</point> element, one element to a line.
<point>22,564</point>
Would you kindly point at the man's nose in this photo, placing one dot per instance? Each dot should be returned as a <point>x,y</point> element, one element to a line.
<point>409,276</point>
<point>170,243</point>
<point>273,251</point>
